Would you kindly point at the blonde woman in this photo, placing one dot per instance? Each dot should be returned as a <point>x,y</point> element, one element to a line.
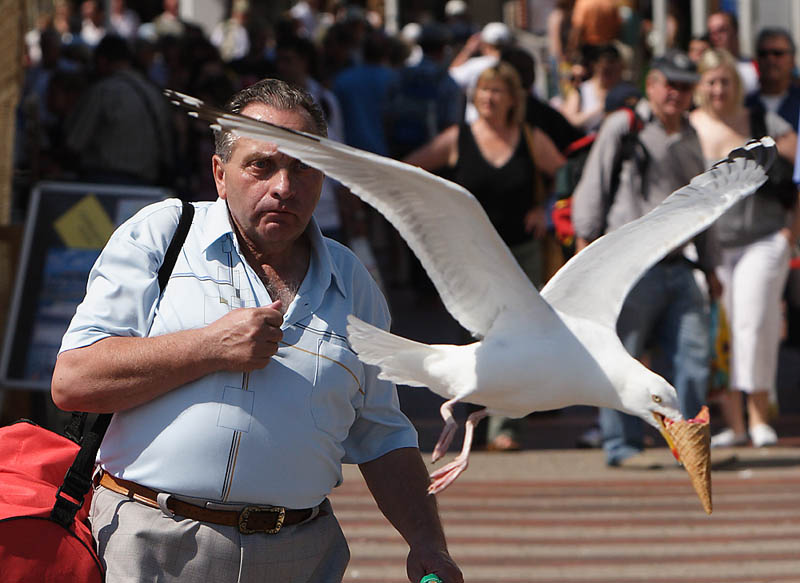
<point>492,158</point>
<point>755,238</point>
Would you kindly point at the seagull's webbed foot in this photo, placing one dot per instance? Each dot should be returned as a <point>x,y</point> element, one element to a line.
<point>449,431</point>
<point>443,477</point>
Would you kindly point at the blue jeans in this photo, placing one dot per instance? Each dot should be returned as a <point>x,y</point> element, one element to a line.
<point>667,311</point>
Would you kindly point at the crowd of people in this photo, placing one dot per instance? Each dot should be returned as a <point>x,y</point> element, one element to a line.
<point>458,99</point>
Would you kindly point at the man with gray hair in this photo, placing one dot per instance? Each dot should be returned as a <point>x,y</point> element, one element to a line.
<point>235,394</point>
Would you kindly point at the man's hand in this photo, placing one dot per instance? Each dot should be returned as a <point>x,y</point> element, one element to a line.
<point>245,339</point>
<point>715,288</point>
<point>120,372</point>
<point>422,561</point>
<point>398,481</point>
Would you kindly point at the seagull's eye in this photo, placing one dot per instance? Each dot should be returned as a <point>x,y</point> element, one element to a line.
<point>657,399</point>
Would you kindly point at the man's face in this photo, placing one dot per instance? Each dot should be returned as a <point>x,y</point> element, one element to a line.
<point>270,196</point>
<point>721,32</point>
<point>668,98</point>
<point>696,49</point>
<point>775,60</point>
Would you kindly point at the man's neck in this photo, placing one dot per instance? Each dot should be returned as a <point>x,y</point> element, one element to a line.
<point>281,268</point>
<point>774,88</point>
<point>672,123</point>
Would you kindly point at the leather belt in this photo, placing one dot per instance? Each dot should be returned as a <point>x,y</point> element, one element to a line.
<point>249,520</point>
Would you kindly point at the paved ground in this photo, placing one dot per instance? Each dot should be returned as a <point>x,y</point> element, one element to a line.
<point>561,516</point>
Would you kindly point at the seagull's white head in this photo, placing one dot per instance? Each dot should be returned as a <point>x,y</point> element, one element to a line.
<point>650,397</point>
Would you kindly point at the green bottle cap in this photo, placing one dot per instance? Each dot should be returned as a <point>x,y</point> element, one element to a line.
<point>430,579</point>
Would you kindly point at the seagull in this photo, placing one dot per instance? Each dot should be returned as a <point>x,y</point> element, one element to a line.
<point>533,351</point>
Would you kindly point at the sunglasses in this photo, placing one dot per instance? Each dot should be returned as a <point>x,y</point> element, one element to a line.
<point>763,53</point>
<point>679,86</point>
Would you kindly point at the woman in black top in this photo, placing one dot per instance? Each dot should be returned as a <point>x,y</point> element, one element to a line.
<point>492,159</point>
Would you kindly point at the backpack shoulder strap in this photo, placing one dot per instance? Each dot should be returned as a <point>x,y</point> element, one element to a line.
<point>175,245</point>
<point>78,479</point>
<point>626,150</point>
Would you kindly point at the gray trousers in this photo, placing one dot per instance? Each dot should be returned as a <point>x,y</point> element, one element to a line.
<point>141,544</point>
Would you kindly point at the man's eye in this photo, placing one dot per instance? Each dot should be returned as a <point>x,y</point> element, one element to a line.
<point>260,164</point>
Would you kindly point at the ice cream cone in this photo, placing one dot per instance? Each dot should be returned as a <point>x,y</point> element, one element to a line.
<point>693,442</point>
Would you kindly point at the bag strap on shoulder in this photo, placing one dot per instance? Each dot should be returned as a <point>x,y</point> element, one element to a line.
<point>175,245</point>
<point>78,479</point>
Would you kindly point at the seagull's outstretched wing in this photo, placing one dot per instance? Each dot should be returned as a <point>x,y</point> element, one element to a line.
<point>594,283</point>
<point>446,227</point>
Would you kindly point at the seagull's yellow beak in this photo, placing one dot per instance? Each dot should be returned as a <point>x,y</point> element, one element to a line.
<point>662,427</point>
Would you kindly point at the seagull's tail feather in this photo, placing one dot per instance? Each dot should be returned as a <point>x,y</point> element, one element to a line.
<point>400,360</point>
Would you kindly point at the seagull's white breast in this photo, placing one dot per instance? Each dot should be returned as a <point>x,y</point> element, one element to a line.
<point>537,366</point>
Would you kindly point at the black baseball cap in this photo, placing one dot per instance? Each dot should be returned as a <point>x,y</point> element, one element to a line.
<point>676,66</point>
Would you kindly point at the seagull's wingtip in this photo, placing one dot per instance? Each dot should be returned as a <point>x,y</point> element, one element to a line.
<point>762,151</point>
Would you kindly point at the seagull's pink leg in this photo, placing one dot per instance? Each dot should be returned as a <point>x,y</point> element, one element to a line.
<point>443,477</point>
<point>449,431</point>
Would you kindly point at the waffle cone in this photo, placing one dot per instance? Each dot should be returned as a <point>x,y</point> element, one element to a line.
<point>693,442</point>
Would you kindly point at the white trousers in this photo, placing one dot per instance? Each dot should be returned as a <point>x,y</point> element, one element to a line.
<point>753,277</point>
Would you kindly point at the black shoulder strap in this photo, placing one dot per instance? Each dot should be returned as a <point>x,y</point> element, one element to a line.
<point>627,150</point>
<point>78,479</point>
<point>171,255</point>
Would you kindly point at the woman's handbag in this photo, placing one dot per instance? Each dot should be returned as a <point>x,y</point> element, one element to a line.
<point>46,486</point>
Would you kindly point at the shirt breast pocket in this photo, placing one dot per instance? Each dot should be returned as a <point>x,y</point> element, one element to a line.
<point>338,391</point>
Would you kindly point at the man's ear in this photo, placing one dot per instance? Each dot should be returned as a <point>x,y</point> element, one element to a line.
<point>218,168</point>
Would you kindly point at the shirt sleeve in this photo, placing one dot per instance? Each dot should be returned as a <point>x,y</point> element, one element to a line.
<point>592,197</point>
<point>776,125</point>
<point>122,291</point>
<point>380,425</point>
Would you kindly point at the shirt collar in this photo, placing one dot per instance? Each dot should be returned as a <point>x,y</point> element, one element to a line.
<point>216,225</point>
<point>322,268</point>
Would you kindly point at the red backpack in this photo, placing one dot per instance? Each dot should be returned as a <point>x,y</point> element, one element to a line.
<point>44,532</point>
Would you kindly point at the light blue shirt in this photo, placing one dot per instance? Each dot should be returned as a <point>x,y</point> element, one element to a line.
<point>276,436</point>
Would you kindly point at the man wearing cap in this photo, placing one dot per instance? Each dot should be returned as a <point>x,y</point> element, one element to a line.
<point>466,68</point>
<point>666,309</point>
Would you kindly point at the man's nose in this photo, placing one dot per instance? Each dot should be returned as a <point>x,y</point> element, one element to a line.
<point>282,183</point>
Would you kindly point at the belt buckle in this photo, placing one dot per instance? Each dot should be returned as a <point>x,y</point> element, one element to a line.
<point>247,510</point>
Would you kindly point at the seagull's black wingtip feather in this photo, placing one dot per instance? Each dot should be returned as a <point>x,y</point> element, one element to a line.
<point>762,151</point>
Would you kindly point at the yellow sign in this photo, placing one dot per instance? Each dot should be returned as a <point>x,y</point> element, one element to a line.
<point>86,225</point>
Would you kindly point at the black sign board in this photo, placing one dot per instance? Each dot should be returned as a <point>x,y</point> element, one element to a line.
<point>67,226</point>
